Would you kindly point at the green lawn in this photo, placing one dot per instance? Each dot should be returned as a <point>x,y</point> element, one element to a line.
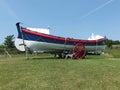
<point>114,52</point>
<point>48,73</point>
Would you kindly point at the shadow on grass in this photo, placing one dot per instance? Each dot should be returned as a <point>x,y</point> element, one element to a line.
<point>56,58</point>
<point>51,57</point>
<point>47,58</point>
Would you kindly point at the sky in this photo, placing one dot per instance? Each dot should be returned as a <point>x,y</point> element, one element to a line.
<point>66,18</point>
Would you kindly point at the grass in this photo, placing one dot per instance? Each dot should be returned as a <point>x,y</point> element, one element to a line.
<point>48,73</point>
<point>115,53</point>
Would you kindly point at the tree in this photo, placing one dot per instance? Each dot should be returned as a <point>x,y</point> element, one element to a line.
<point>109,43</point>
<point>116,42</point>
<point>9,41</point>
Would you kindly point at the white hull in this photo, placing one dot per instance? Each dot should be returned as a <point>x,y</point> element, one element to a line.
<point>36,46</point>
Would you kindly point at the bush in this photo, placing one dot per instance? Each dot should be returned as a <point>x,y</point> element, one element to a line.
<point>9,50</point>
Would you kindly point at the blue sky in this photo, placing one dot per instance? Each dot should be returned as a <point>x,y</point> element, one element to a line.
<point>66,18</point>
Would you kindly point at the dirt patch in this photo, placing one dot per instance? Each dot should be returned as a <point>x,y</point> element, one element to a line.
<point>108,55</point>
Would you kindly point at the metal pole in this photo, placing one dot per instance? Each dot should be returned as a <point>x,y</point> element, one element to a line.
<point>26,48</point>
<point>26,51</point>
<point>96,47</point>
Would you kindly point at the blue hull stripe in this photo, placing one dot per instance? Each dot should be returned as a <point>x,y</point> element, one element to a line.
<point>32,37</point>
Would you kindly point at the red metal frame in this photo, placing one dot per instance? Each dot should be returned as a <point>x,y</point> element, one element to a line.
<point>79,51</point>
